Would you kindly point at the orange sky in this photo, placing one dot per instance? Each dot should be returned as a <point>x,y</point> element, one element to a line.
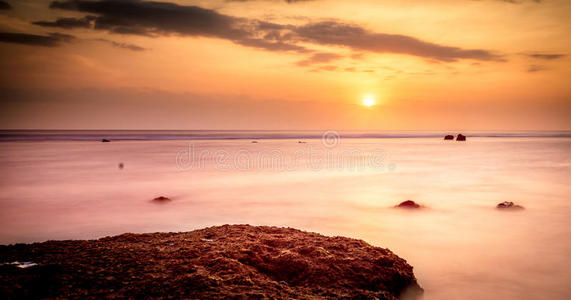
<point>274,64</point>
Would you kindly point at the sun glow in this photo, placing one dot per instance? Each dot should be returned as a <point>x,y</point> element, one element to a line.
<point>369,100</point>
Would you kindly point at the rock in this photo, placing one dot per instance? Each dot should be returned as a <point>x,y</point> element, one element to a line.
<point>449,137</point>
<point>461,137</point>
<point>121,166</point>
<point>242,261</point>
<point>105,141</point>
<point>408,204</point>
<point>161,199</point>
<point>254,142</point>
<point>509,205</point>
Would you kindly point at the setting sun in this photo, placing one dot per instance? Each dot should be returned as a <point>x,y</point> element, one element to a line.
<point>369,100</point>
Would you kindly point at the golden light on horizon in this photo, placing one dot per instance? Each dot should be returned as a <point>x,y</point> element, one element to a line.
<point>369,100</point>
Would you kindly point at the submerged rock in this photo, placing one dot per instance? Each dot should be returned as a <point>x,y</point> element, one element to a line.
<point>508,205</point>
<point>408,204</point>
<point>254,142</point>
<point>449,137</point>
<point>105,141</point>
<point>461,137</point>
<point>161,199</point>
<point>230,261</point>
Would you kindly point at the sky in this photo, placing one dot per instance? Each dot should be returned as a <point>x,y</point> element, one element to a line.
<point>286,64</point>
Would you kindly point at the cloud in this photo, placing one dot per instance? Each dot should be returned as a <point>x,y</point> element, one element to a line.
<point>358,38</point>
<point>51,40</point>
<point>162,18</point>
<point>68,23</point>
<point>318,58</point>
<point>155,19</point>
<point>5,5</point>
<point>535,68</point>
<point>546,56</point>
<point>127,46</point>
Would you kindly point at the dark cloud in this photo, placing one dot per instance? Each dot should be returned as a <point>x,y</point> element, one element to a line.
<point>546,56</point>
<point>162,18</point>
<point>5,5</point>
<point>358,38</point>
<point>319,58</point>
<point>68,23</point>
<point>127,46</point>
<point>51,40</point>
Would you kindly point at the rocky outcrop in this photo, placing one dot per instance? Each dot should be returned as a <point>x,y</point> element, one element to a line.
<point>449,137</point>
<point>461,137</point>
<point>238,261</point>
<point>105,141</point>
<point>509,205</point>
<point>408,204</point>
<point>161,199</point>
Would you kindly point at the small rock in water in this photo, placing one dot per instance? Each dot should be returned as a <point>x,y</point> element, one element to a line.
<point>461,137</point>
<point>449,137</point>
<point>408,204</point>
<point>254,142</point>
<point>121,165</point>
<point>105,141</point>
<point>161,199</point>
<point>300,142</point>
<point>508,205</point>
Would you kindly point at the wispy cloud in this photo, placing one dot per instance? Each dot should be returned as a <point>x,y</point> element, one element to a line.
<point>358,38</point>
<point>319,58</point>
<point>546,56</point>
<point>127,46</point>
<point>162,18</point>
<point>535,68</point>
<point>68,23</point>
<point>51,40</point>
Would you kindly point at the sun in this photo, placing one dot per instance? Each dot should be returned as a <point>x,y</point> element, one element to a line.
<point>369,100</point>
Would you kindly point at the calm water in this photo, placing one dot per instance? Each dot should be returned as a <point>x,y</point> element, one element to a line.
<point>460,246</point>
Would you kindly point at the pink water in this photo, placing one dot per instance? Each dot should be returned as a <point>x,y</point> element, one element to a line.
<point>461,247</point>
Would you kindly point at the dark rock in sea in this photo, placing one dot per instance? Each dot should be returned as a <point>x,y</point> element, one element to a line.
<point>300,142</point>
<point>161,199</point>
<point>105,141</point>
<point>408,204</point>
<point>229,262</point>
<point>121,166</point>
<point>461,137</point>
<point>449,137</point>
<point>254,142</point>
<point>509,205</point>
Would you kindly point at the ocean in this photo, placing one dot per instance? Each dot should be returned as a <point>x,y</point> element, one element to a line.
<point>70,185</point>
